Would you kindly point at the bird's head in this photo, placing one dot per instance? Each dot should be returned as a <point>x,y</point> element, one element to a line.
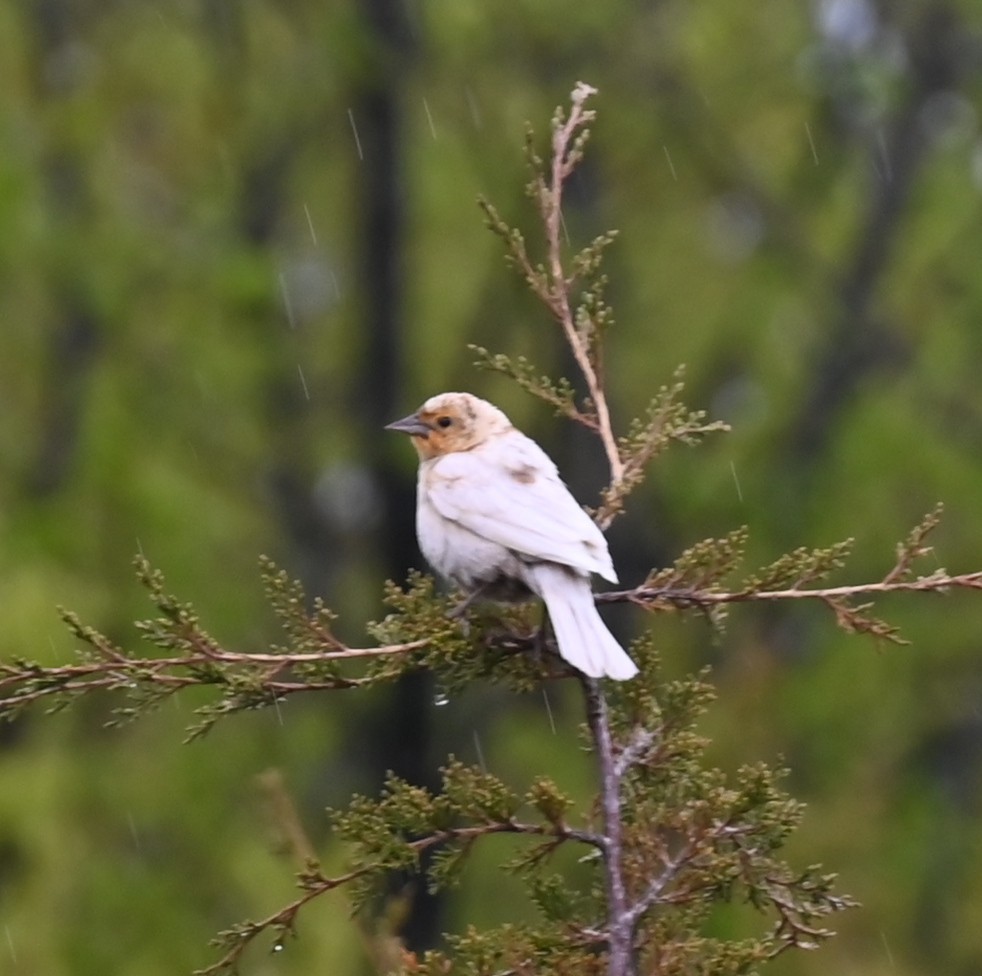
<point>450,422</point>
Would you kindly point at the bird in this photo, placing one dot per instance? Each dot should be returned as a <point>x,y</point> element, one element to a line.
<point>494,517</point>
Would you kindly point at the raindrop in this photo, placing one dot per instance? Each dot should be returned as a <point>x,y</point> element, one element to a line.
<point>736,481</point>
<point>473,106</point>
<point>278,946</point>
<point>440,699</point>
<point>552,720</point>
<point>286,301</point>
<point>479,751</point>
<point>811,143</point>
<point>671,165</point>
<point>562,221</point>
<point>133,831</point>
<point>10,943</point>
<point>429,118</point>
<point>881,145</point>
<point>310,224</point>
<point>354,131</point>
<point>303,383</point>
<point>886,949</point>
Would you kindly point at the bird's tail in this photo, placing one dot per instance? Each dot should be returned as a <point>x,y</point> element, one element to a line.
<point>581,634</point>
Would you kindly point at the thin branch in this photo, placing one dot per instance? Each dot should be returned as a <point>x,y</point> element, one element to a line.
<point>564,159</point>
<point>551,284</point>
<point>283,921</point>
<point>642,740</point>
<point>684,597</point>
<point>658,884</point>
<point>315,884</point>
<point>23,683</point>
<point>619,923</point>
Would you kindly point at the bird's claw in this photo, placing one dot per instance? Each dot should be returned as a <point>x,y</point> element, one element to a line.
<point>458,611</point>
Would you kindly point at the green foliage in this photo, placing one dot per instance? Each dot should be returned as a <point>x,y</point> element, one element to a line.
<point>408,821</point>
<point>704,566</point>
<point>692,843</point>
<point>559,394</point>
<point>667,420</point>
<point>802,567</point>
<point>915,547</point>
<point>481,644</point>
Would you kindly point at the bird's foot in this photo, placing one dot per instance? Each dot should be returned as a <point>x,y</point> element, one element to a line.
<point>458,611</point>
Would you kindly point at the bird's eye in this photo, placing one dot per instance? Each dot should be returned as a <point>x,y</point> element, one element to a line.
<point>443,422</point>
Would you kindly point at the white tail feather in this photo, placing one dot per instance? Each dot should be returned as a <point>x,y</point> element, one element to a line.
<point>581,634</point>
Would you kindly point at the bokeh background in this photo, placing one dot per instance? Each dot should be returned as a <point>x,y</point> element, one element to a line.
<point>238,236</point>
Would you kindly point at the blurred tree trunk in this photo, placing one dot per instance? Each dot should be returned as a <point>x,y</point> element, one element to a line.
<point>75,334</point>
<point>859,341</point>
<point>397,734</point>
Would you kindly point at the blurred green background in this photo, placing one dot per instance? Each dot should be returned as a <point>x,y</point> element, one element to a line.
<point>238,237</point>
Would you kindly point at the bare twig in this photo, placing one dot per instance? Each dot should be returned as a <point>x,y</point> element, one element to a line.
<point>683,597</point>
<point>654,892</point>
<point>24,683</point>
<point>239,939</point>
<point>565,155</point>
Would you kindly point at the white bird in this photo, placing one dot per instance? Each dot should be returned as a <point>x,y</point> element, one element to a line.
<point>494,517</point>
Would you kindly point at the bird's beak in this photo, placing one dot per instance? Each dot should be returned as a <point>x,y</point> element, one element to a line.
<point>411,425</point>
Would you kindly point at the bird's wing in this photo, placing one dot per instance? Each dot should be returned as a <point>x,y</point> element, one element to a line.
<point>509,492</point>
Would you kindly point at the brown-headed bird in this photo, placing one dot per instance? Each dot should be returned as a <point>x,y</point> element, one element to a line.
<point>493,516</point>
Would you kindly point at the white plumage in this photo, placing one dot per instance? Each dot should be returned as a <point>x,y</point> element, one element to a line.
<point>494,517</point>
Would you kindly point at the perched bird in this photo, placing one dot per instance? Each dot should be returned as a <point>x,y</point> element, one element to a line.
<point>493,516</point>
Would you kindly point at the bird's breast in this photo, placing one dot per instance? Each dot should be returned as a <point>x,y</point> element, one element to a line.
<point>464,557</point>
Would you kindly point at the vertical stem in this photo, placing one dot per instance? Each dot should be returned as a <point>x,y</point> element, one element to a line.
<point>552,209</point>
<point>619,925</point>
<point>398,733</point>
